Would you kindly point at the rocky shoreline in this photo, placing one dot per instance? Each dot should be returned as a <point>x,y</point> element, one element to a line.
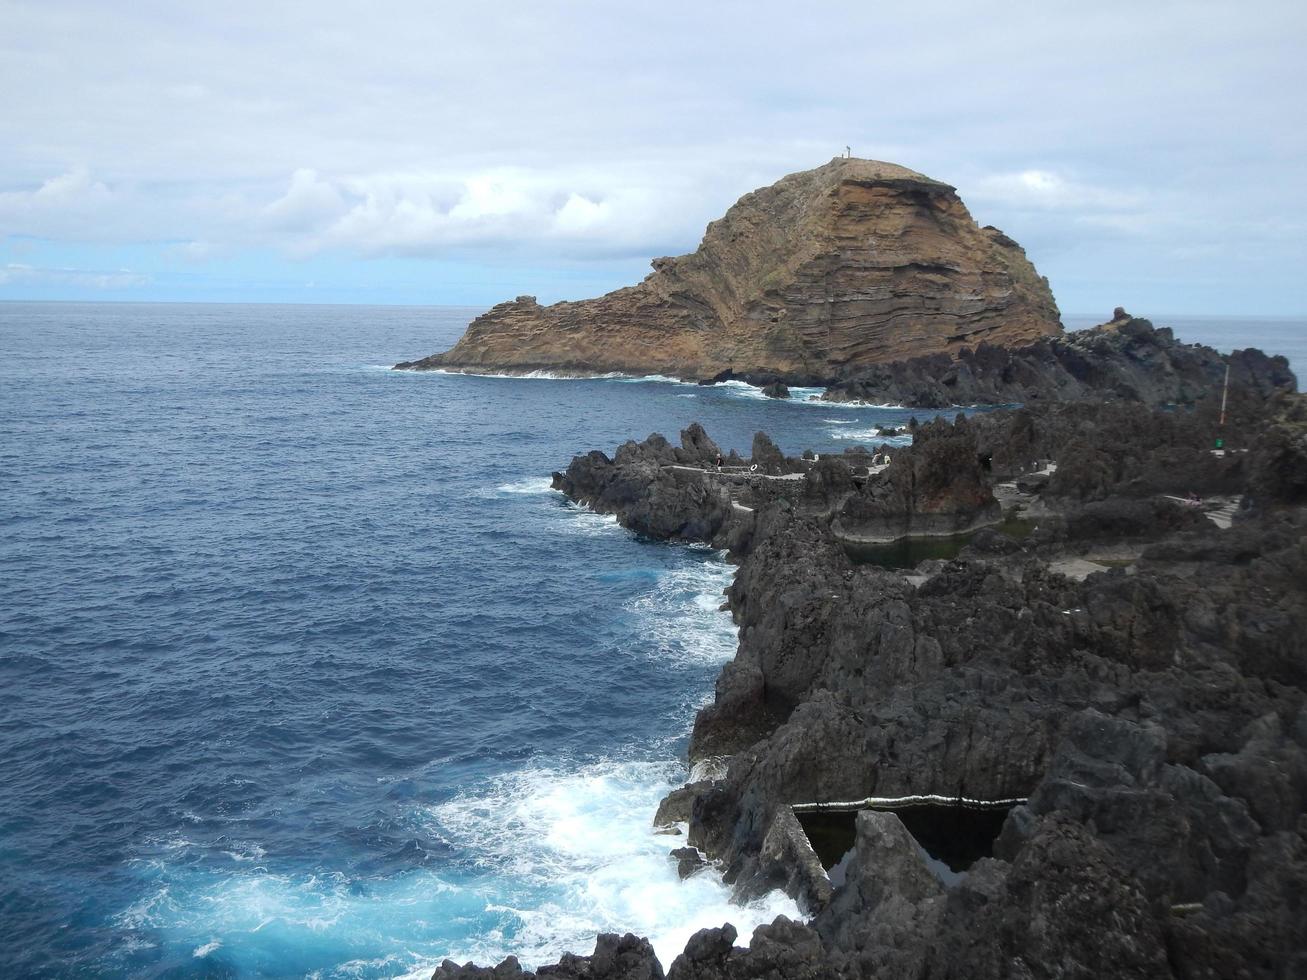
<point>1023,759</point>
<point>1124,359</point>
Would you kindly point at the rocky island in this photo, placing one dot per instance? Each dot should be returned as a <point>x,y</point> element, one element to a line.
<point>809,280</point>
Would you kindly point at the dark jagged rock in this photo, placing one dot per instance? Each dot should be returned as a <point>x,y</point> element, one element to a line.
<point>936,487</point>
<point>1066,906</point>
<point>1279,467</point>
<point>509,969</point>
<point>1118,449</point>
<point>965,685</point>
<point>688,861</point>
<point>1125,519</point>
<point>890,902</point>
<point>707,950</point>
<point>676,806</point>
<point>614,958</point>
<point>766,457</point>
<point>783,950</point>
<point>698,448</point>
<point>1152,718</point>
<point>1123,360</point>
<point>776,389</point>
<point>719,378</point>
<point>642,485</point>
<point>787,861</point>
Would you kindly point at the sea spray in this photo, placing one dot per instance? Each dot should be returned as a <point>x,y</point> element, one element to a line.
<point>581,857</point>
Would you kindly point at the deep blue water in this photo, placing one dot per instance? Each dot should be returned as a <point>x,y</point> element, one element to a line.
<point>304,670</point>
<point>302,666</point>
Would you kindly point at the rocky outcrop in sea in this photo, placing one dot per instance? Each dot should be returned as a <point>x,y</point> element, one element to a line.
<point>1075,747</point>
<point>827,271</point>
<point>1125,359</point>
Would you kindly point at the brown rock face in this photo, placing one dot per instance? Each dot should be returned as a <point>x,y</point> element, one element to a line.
<point>854,263</point>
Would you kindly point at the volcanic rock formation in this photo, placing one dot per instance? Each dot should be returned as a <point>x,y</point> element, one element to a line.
<point>1125,359</point>
<point>825,272</point>
<point>1146,724</point>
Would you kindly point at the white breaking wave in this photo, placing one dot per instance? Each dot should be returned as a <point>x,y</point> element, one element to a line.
<point>510,375</point>
<point>889,406</point>
<point>586,523</point>
<point>798,396</point>
<point>543,375</point>
<point>533,485</point>
<point>573,847</point>
<point>871,436</point>
<point>661,378</point>
<point>681,615</point>
<point>580,845</point>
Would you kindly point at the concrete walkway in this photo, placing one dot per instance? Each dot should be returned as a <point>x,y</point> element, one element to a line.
<point>736,471</point>
<point>733,472</point>
<point>1219,510</point>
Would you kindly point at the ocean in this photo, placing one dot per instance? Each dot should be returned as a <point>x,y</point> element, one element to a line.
<point>304,669</point>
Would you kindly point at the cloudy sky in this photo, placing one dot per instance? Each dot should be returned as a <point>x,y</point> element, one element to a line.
<point>1150,155</point>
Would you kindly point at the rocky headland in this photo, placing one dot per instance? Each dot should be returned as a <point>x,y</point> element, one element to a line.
<point>1074,747</point>
<point>812,279</point>
<point>1125,359</point>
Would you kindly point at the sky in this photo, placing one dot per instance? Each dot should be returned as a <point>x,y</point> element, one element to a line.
<point>1145,155</point>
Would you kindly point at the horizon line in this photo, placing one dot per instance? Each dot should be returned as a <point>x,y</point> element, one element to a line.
<point>480,306</point>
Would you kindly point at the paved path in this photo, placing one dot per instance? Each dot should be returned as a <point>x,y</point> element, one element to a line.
<point>731,478</point>
<point>734,472</point>
<point>1219,510</point>
<point>750,474</point>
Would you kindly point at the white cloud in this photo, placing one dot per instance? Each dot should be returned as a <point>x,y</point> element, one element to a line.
<point>571,131</point>
<point>75,194</point>
<point>196,251</point>
<point>580,215</point>
<point>1047,190</point>
<point>424,212</point>
<point>309,202</point>
<point>17,273</point>
<point>75,188</point>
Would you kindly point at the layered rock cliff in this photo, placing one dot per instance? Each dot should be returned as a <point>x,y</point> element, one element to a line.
<point>823,273</point>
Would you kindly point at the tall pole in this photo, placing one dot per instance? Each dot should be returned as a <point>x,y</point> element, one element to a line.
<point>1220,425</point>
<point>1225,392</point>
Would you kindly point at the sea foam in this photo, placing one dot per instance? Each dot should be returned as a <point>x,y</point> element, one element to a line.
<point>579,845</point>
<point>681,615</point>
<point>533,485</point>
<point>872,437</point>
<point>576,840</point>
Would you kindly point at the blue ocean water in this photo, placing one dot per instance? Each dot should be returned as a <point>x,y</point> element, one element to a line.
<point>305,671</point>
